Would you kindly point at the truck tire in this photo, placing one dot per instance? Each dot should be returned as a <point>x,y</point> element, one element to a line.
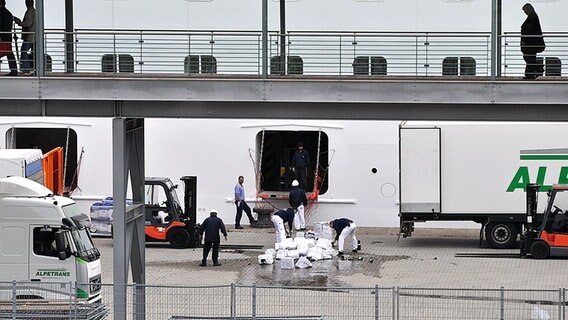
<point>540,250</point>
<point>178,238</point>
<point>501,235</point>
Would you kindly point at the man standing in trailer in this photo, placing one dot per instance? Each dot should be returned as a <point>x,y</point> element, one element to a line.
<point>211,226</point>
<point>241,204</point>
<point>344,228</point>
<point>297,199</point>
<point>300,163</point>
<point>278,219</point>
<point>532,43</point>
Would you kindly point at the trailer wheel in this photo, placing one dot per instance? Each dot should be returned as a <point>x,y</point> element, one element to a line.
<point>178,238</point>
<point>540,250</point>
<point>501,235</point>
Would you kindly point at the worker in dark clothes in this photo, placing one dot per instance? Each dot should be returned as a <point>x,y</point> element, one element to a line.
<point>297,199</point>
<point>344,228</point>
<point>211,226</point>
<point>278,219</point>
<point>6,20</point>
<point>532,43</point>
<point>300,163</point>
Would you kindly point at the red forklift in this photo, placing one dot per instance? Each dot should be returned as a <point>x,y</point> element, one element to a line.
<point>165,221</point>
<point>546,235</point>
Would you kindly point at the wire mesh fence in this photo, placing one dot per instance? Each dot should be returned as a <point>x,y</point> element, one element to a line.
<point>26,300</point>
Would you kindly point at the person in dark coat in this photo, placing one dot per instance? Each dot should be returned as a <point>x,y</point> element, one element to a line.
<point>278,219</point>
<point>300,163</point>
<point>6,20</point>
<point>211,226</point>
<point>298,200</point>
<point>344,228</point>
<point>26,51</point>
<point>532,43</point>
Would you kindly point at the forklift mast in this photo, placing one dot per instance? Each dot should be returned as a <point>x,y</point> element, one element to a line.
<point>190,207</point>
<point>532,205</point>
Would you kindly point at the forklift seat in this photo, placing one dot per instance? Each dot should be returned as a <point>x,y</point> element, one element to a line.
<point>560,223</point>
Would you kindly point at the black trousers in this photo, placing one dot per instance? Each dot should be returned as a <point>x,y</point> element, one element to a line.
<point>533,68</point>
<point>240,207</point>
<point>207,247</point>
<point>302,177</point>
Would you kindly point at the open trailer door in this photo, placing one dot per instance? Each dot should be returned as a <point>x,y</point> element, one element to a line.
<point>420,175</point>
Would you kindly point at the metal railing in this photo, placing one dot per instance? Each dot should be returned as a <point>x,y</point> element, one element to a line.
<point>555,54</point>
<point>319,54</point>
<point>269,302</point>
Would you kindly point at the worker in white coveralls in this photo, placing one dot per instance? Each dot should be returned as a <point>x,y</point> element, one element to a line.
<point>297,199</point>
<point>344,228</point>
<point>278,219</point>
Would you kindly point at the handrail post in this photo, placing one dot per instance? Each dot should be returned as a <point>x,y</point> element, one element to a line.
<point>396,302</point>
<point>40,40</point>
<point>502,304</point>
<point>496,18</point>
<point>254,301</point>
<point>233,302</point>
<point>14,305</point>
<point>264,39</point>
<point>376,302</point>
<point>69,38</point>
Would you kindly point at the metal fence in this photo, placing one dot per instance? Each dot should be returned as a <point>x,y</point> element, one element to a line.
<point>268,302</point>
<point>320,54</point>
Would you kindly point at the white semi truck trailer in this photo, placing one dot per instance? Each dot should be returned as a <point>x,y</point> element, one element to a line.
<point>45,239</point>
<point>478,172</point>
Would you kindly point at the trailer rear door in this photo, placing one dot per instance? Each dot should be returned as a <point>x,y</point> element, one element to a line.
<point>420,186</point>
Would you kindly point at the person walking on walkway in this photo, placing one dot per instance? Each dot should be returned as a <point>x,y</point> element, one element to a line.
<point>278,219</point>
<point>27,49</point>
<point>532,43</point>
<point>241,204</point>
<point>211,226</point>
<point>6,21</point>
<point>344,228</point>
<point>298,200</point>
<point>300,163</point>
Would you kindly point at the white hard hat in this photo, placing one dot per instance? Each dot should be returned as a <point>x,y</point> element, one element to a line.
<point>213,211</point>
<point>295,183</point>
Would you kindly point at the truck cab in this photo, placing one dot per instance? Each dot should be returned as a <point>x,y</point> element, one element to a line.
<point>45,239</point>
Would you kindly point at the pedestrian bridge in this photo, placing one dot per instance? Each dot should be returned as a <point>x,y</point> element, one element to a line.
<point>324,75</point>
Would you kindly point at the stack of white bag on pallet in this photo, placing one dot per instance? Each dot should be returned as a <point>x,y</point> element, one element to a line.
<point>303,248</point>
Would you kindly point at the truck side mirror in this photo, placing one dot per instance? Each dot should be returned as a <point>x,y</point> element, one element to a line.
<point>60,245</point>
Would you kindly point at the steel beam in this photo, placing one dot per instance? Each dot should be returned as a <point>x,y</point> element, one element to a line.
<point>128,226</point>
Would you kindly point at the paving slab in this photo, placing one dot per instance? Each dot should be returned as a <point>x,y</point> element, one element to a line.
<point>425,260</point>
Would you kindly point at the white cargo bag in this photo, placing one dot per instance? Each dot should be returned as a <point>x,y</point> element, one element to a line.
<point>303,249</point>
<point>287,263</point>
<point>294,254</point>
<point>265,259</point>
<point>282,253</point>
<point>323,243</point>
<point>303,263</point>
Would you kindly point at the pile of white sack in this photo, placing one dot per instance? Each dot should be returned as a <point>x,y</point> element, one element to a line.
<point>302,249</point>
